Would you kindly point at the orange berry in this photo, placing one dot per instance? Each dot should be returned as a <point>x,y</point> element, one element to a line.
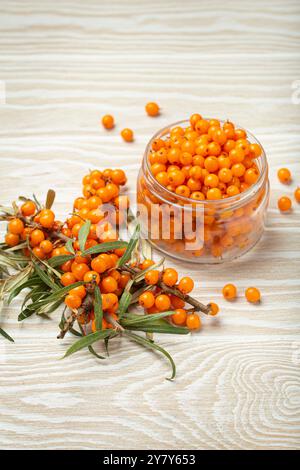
<point>297,194</point>
<point>238,169</point>
<point>118,177</point>
<point>214,149</point>
<point>176,177</point>
<point>36,237</point>
<point>16,226</point>
<point>152,277</point>
<point>91,276</point>
<point>94,202</point>
<point>194,119</point>
<point>162,178</point>
<point>147,263</point>
<point>67,279</point>
<point>12,239</point>
<point>236,155</point>
<point>284,175</point>
<point>146,300</point>
<point>38,252</point>
<point>211,180</point>
<point>186,285</point>
<point>183,190</point>
<point>197,195</point>
<point>162,302</point>
<point>108,121</point>
<point>195,172</point>
<point>170,277</point>
<point>73,301</point>
<point>193,184</point>
<point>124,278</point>
<point>79,270</point>
<point>229,291</point>
<point>46,246</point>
<point>202,126</point>
<point>219,136</point>
<point>127,135</point>
<point>179,317</point>
<point>214,193</point>
<point>109,284</point>
<point>284,203</point>
<point>28,208</point>
<point>177,302</point>
<point>255,150</point>
<point>225,175</point>
<point>47,217</point>
<point>193,321</point>
<point>240,134</point>
<point>214,309</point>
<point>251,176</point>
<point>232,190</point>
<point>211,164</point>
<point>79,291</point>
<point>152,109</point>
<point>252,294</point>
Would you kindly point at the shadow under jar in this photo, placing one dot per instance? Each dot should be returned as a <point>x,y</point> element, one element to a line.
<point>207,231</point>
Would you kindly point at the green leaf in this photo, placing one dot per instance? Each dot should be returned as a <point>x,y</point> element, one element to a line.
<point>98,308</point>
<point>92,351</point>
<point>6,335</point>
<point>69,246</point>
<point>45,277</point>
<point>155,328</point>
<point>58,260</point>
<point>27,312</point>
<point>125,299</point>
<point>104,247</point>
<point>88,340</point>
<point>62,292</point>
<point>83,234</point>
<point>131,246</point>
<point>151,345</point>
<point>74,332</point>
<point>132,318</point>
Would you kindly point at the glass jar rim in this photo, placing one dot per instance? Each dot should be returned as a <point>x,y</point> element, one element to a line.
<point>232,200</point>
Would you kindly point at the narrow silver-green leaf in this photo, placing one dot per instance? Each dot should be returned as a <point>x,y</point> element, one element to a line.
<point>6,335</point>
<point>83,234</point>
<point>59,260</point>
<point>88,340</point>
<point>98,308</point>
<point>69,246</point>
<point>151,345</point>
<point>45,277</point>
<point>131,246</point>
<point>104,247</point>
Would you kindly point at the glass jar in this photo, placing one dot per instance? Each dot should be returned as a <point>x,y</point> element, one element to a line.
<point>201,231</point>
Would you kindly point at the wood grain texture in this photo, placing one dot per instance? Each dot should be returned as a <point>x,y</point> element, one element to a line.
<point>66,63</point>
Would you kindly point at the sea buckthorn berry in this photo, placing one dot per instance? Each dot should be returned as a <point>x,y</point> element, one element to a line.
<point>47,218</point>
<point>152,277</point>
<point>196,172</point>
<point>224,161</point>
<point>162,178</point>
<point>251,176</point>
<point>158,168</point>
<point>186,285</point>
<point>36,237</point>
<point>79,270</point>
<point>211,164</point>
<point>186,158</point>
<point>255,150</point>
<point>80,291</point>
<point>197,195</point>
<point>12,239</point>
<point>177,302</point>
<point>236,155</point>
<point>118,177</point>
<point>104,194</point>
<point>238,169</point>
<point>176,177</point>
<point>193,321</point>
<point>162,302</point>
<point>214,309</point>
<point>28,208</point>
<point>284,204</point>
<point>170,277</point>
<point>152,109</point>
<point>109,284</point>
<point>46,246</point>
<point>229,291</point>
<point>174,156</point>
<point>94,202</point>
<point>147,263</point>
<point>146,300</point>
<point>214,149</point>
<point>219,136</point>
<point>232,190</point>
<point>108,121</point>
<point>73,301</point>
<point>193,184</point>
<point>127,135</point>
<point>284,175</point>
<point>183,190</point>
<point>16,226</point>
<point>157,144</point>
<point>91,276</point>
<point>297,194</point>
<point>123,281</point>
<point>194,119</point>
<point>213,194</point>
<point>179,317</point>
<point>252,294</point>
<point>240,134</point>
<point>38,252</point>
<point>211,180</point>
<point>225,175</point>
<point>67,279</point>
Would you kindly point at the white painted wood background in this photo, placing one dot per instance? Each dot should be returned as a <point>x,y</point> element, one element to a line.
<point>65,64</point>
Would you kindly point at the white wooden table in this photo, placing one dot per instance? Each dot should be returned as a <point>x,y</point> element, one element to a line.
<point>65,64</point>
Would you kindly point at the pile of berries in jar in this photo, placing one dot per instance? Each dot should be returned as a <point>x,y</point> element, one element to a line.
<point>212,164</point>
